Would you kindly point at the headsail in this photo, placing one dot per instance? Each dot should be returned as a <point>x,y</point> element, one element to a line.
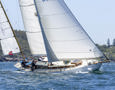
<point>32,27</point>
<point>7,39</point>
<point>64,36</point>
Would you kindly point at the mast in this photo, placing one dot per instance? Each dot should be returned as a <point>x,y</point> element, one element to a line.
<point>12,31</point>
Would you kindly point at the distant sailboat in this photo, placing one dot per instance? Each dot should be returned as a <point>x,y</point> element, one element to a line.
<point>67,45</point>
<point>8,41</point>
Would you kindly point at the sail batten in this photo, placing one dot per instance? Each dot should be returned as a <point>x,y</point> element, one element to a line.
<point>26,5</point>
<point>63,33</point>
<point>32,27</point>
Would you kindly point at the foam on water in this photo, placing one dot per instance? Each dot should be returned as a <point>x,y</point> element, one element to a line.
<point>19,72</point>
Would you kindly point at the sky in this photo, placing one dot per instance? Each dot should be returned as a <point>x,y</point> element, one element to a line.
<point>96,16</point>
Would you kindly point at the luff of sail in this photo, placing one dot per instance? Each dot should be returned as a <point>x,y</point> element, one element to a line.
<point>32,27</point>
<point>8,42</point>
<point>64,36</point>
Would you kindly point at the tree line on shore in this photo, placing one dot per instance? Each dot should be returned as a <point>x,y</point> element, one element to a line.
<point>108,49</point>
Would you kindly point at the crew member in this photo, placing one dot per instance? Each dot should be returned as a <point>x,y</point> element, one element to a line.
<point>33,65</point>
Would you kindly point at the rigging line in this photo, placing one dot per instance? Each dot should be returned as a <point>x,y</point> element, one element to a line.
<point>12,30</point>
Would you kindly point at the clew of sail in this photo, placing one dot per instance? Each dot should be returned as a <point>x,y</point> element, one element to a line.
<point>32,27</point>
<point>64,37</point>
<point>7,39</point>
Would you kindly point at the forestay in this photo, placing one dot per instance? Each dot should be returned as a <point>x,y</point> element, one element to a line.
<point>7,40</point>
<point>32,27</point>
<point>64,36</point>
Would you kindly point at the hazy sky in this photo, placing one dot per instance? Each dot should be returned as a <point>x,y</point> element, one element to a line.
<point>96,16</point>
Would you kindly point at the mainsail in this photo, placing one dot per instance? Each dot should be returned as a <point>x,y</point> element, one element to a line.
<point>32,27</point>
<point>8,42</point>
<point>64,37</point>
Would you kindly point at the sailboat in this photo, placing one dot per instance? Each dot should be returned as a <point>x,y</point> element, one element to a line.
<point>68,47</point>
<point>8,40</point>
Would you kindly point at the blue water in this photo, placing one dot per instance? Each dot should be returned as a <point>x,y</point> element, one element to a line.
<point>12,79</point>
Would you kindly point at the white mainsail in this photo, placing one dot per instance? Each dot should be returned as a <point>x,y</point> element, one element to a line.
<point>7,39</point>
<point>32,27</point>
<point>64,37</point>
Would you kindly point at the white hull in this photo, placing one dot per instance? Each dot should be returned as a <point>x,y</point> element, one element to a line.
<point>74,69</point>
<point>83,67</point>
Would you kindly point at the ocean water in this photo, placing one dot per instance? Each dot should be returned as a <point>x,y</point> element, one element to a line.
<point>13,79</point>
